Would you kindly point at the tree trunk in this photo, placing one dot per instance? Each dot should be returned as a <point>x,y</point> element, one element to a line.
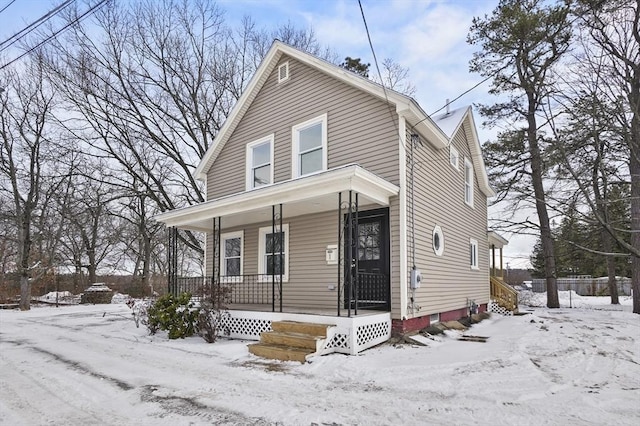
<point>607,246</point>
<point>24,252</point>
<point>541,207</point>
<point>634,169</point>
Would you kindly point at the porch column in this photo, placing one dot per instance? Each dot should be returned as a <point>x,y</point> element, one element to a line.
<point>340,246</point>
<point>172,258</point>
<point>493,260</point>
<point>501,267</point>
<point>276,218</point>
<point>216,291</point>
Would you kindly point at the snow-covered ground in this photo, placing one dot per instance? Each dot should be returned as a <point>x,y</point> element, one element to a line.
<point>90,365</point>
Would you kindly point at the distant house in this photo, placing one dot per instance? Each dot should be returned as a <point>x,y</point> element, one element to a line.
<point>331,200</point>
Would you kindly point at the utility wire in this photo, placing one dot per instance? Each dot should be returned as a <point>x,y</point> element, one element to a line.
<point>33,26</point>
<point>460,95</point>
<point>375,61</point>
<point>9,4</point>
<point>75,21</point>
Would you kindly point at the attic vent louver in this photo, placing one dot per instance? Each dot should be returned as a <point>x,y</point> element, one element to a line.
<point>283,72</point>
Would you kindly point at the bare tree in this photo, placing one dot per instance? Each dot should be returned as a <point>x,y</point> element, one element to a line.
<point>26,106</point>
<point>612,53</point>
<point>151,83</point>
<point>395,77</point>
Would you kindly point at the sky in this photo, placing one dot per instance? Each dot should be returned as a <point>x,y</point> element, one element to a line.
<point>90,365</point>
<point>426,36</point>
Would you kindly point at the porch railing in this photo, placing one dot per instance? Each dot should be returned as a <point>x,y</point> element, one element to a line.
<point>239,289</point>
<point>503,294</point>
<point>371,292</point>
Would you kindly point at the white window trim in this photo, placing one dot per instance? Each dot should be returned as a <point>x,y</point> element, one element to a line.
<point>284,66</point>
<point>249,160</point>
<point>468,182</point>
<point>437,230</point>
<point>262,267</point>
<point>454,154</point>
<point>223,263</point>
<point>295,138</point>
<point>473,253</point>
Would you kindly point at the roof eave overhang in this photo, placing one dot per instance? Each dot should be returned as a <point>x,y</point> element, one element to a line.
<point>418,119</point>
<point>349,178</point>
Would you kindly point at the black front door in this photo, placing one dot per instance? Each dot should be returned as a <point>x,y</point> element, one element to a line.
<point>370,254</point>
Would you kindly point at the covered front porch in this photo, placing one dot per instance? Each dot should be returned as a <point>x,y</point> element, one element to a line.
<point>314,249</point>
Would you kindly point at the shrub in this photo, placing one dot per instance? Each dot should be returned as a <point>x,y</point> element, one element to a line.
<point>174,314</point>
<point>213,315</point>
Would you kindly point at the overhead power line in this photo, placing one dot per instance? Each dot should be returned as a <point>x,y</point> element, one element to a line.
<point>46,40</point>
<point>8,4</point>
<point>20,35</point>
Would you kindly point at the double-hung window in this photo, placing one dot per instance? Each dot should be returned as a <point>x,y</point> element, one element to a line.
<point>231,251</point>
<point>468,182</point>
<point>260,162</point>
<point>274,252</point>
<point>473,253</point>
<point>310,146</point>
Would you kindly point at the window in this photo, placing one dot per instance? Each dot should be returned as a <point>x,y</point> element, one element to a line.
<point>453,156</point>
<point>438,240</point>
<point>283,72</point>
<point>269,260</point>
<point>310,146</point>
<point>231,250</point>
<point>468,182</point>
<point>473,253</point>
<point>260,163</point>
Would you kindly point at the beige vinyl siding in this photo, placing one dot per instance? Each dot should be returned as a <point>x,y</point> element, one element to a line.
<point>361,129</point>
<point>309,274</point>
<point>448,280</point>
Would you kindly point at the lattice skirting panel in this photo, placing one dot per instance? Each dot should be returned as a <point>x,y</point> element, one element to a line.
<point>494,307</point>
<point>348,335</point>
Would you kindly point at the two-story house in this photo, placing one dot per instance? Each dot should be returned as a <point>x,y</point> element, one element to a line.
<point>333,200</point>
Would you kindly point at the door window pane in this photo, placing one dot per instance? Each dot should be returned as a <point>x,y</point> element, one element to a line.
<point>369,241</point>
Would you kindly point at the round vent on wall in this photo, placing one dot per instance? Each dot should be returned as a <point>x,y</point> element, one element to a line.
<point>438,240</point>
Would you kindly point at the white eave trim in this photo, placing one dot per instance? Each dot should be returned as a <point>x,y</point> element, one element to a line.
<point>351,177</point>
<point>267,65</point>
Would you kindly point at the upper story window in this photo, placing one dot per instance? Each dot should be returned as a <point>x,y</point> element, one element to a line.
<point>473,253</point>
<point>454,156</point>
<point>468,182</point>
<point>260,162</point>
<point>231,260</point>
<point>310,146</point>
<point>283,72</point>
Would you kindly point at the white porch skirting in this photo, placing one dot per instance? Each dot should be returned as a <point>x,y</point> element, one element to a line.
<point>349,335</point>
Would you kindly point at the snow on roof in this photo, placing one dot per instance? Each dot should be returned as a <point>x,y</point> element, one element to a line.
<point>450,121</point>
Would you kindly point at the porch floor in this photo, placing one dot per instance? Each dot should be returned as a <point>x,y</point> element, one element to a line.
<point>330,312</point>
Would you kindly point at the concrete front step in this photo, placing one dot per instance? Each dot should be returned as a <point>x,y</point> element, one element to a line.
<point>301,328</point>
<point>296,340</point>
<point>283,353</point>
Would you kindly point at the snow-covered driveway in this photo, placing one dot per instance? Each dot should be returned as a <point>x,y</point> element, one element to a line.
<point>90,365</point>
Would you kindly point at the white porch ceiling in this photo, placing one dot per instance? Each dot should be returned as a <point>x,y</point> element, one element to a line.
<point>310,194</point>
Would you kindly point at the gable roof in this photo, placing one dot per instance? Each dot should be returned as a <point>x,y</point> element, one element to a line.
<point>450,122</point>
<point>404,105</point>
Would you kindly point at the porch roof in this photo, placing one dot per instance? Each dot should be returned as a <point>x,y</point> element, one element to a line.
<point>310,194</point>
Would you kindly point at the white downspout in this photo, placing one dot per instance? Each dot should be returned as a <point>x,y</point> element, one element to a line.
<point>402,130</point>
